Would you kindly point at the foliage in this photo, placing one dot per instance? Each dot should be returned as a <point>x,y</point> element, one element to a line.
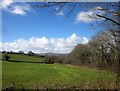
<point>49,60</point>
<point>21,52</point>
<point>30,53</point>
<point>111,10</point>
<point>6,57</point>
<point>25,58</point>
<point>53,59</point>
<point>102,51</point>
<point>80,55</point>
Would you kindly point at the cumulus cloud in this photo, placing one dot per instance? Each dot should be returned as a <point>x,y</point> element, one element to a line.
<point>5,3</point>
<point>20,10</point>
<point>89,16</point>
<point>85,40</point>
<point>44,45</point>
<point>10,6</point>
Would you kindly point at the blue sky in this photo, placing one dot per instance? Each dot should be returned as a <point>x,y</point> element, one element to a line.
<point>21,22</point>
<point>42,23</point>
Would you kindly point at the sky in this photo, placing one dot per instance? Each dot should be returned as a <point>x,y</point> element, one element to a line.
<point>27,28</point>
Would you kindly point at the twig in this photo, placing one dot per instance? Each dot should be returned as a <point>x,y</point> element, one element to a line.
<point>109,19</point>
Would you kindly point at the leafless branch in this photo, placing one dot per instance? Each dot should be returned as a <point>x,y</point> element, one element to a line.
<point>109,19</point>
<point>72,9</point>
<point>99,24</point>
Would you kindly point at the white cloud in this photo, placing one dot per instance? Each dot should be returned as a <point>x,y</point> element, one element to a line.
<point>98,8</point>
<point>5,3</point>
<point>43,44</point>
<point>85,40</point>
<point>84,17</point>
<point>89,16</point>
<point>17,8</point>
<point>20,10</point>
<point>60,13</point>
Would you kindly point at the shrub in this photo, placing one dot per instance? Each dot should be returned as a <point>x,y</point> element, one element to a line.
<point>49,60</point>
<point>6,57</point>
<point>53,59</point>
<point>30,53</point>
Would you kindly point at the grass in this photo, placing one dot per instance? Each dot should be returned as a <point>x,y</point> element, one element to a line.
<point>25,58</point>
<point>37,75</point>
<point>0,74</point>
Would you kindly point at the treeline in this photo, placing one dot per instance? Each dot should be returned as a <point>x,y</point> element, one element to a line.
<point>30,53</point>
<point>6,54</point>
<point>102,51</point>
<point>49,59</point>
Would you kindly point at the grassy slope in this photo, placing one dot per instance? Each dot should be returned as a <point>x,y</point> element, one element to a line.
<point>21,57</point>
<point>30,75</point>
<point>0,74</point>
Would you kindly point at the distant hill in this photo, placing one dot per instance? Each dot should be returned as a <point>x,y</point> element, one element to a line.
<point>52,54</point>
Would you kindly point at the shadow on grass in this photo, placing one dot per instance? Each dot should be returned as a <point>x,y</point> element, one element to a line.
<point>18,61</point>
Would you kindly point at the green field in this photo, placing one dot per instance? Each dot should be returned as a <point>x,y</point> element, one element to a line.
<point>25,58</point>
<point>38,75</point>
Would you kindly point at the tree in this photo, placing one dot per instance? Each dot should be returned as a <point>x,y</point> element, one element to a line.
<point>111,15</point>
<point>104,45</point>
<point>50,59</point>
<point>21,52</point>
<point>6,57</point>
<point>110,9</point>
<point>107,45</point>
<point>30,53</point>
<point>80,55</point>
<point>4,51</point>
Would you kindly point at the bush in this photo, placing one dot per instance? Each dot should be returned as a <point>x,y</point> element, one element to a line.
<point>30,53</point>
<point>49,60</point>
<point>53,59</point>
<point>6,57</point>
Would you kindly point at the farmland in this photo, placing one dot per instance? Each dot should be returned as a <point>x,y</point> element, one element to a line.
<point>31,75</point>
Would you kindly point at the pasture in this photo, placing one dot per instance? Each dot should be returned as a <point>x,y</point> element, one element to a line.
<point>25,58</point>
<point>25,75</point>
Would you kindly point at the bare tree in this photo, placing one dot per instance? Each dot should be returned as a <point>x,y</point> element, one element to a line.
<point>110,9</point>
